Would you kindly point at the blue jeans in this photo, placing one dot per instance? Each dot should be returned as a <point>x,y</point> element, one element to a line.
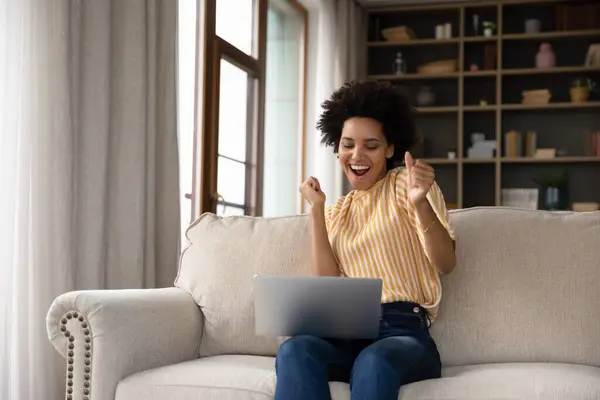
<point>403,353</point>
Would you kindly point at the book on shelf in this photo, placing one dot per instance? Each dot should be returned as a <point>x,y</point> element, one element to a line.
<point>592,145</point>
<point>517,144</point>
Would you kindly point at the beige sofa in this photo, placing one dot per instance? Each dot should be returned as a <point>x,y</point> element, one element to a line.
<point>520,316</point>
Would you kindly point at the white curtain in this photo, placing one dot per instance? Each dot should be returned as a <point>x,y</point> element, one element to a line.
<point>88,166</point>
<point>337,38</point>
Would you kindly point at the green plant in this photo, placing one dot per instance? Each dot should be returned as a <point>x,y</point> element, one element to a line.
<point>584,83</point>
<point>489,25</point>
<point>557,180</point>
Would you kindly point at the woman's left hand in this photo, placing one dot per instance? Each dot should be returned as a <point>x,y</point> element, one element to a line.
<point>420,178</point>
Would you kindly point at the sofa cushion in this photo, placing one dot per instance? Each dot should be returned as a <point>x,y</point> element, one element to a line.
<point>220,377</point>
<point>217,269</point>
<point>253,378</point>
<point>526,381</point>
<point>526,288</point>
<point>228,377</point>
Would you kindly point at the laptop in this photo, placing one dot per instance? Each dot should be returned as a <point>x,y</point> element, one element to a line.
<point>327,307</point>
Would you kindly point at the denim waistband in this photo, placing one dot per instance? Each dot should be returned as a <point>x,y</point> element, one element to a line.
<point>408,308</point>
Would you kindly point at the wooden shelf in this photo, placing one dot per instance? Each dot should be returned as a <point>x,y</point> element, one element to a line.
<point>436,110</point>
<point>468,74</point>
<point>479,160</point>
<point>509,107</point>
<point>415,42</point>
<point>477,108</point>
<point>452,75</point>
<point>551,35</point>
<point>434,161</point>
<point>484,39</point>
<point>518,106</point>
<point>555,70</point>
<point>432,42</point>
<point>479,39</point>
<point>551,106</point>
<point>515,160</point>
<point>556,160</point>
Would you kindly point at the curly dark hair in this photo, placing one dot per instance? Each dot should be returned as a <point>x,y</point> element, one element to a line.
<point>379,100</point>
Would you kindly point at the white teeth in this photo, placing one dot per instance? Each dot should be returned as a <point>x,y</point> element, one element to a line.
<point>359,167</point>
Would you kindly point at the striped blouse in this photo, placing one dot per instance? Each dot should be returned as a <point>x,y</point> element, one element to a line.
<point>375,233</point>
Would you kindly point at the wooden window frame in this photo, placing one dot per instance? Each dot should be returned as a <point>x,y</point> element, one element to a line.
<point>211,49</point>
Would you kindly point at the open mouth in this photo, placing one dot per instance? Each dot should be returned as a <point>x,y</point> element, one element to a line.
<point>359,170</point>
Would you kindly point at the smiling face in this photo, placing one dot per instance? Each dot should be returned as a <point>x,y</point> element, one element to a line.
<point>363,152</point>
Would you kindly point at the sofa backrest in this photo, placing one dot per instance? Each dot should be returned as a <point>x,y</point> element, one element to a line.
<point>526,287</point>
<point>217,269</point>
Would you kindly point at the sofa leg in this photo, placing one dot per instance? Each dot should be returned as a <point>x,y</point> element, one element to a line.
<point>79,355</point>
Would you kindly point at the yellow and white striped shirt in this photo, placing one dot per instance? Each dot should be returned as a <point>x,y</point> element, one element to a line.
<point>375,233</point>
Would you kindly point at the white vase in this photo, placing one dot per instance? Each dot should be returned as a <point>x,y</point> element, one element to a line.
<point>532,26</point>
<point>425,97</point>
<point>487,32</point>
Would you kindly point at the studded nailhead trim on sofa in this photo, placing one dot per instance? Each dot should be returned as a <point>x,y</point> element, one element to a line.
<point>81,333</point>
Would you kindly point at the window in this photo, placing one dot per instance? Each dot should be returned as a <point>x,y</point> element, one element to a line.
<point>235,131</point>
<point>236,23</point>
<point>229,129</point>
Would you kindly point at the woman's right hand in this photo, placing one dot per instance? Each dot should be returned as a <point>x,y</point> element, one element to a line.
<point>311,191</point>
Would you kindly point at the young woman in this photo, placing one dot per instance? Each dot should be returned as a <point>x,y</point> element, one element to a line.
<point>393,225</point>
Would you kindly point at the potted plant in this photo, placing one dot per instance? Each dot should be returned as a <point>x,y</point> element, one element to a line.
<point>580,90</point>
<point>488,28</point>
<point>554,191</point>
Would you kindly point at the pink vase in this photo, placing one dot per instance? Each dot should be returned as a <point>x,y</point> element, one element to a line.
<point>545,58</point>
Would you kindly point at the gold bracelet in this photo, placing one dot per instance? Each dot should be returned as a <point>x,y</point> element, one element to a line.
<point>430,225</point>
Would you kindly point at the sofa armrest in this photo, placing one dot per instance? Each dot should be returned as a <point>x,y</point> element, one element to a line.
<point>107,335</point>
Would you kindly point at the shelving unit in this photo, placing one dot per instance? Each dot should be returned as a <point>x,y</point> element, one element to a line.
<point>458,111</point>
